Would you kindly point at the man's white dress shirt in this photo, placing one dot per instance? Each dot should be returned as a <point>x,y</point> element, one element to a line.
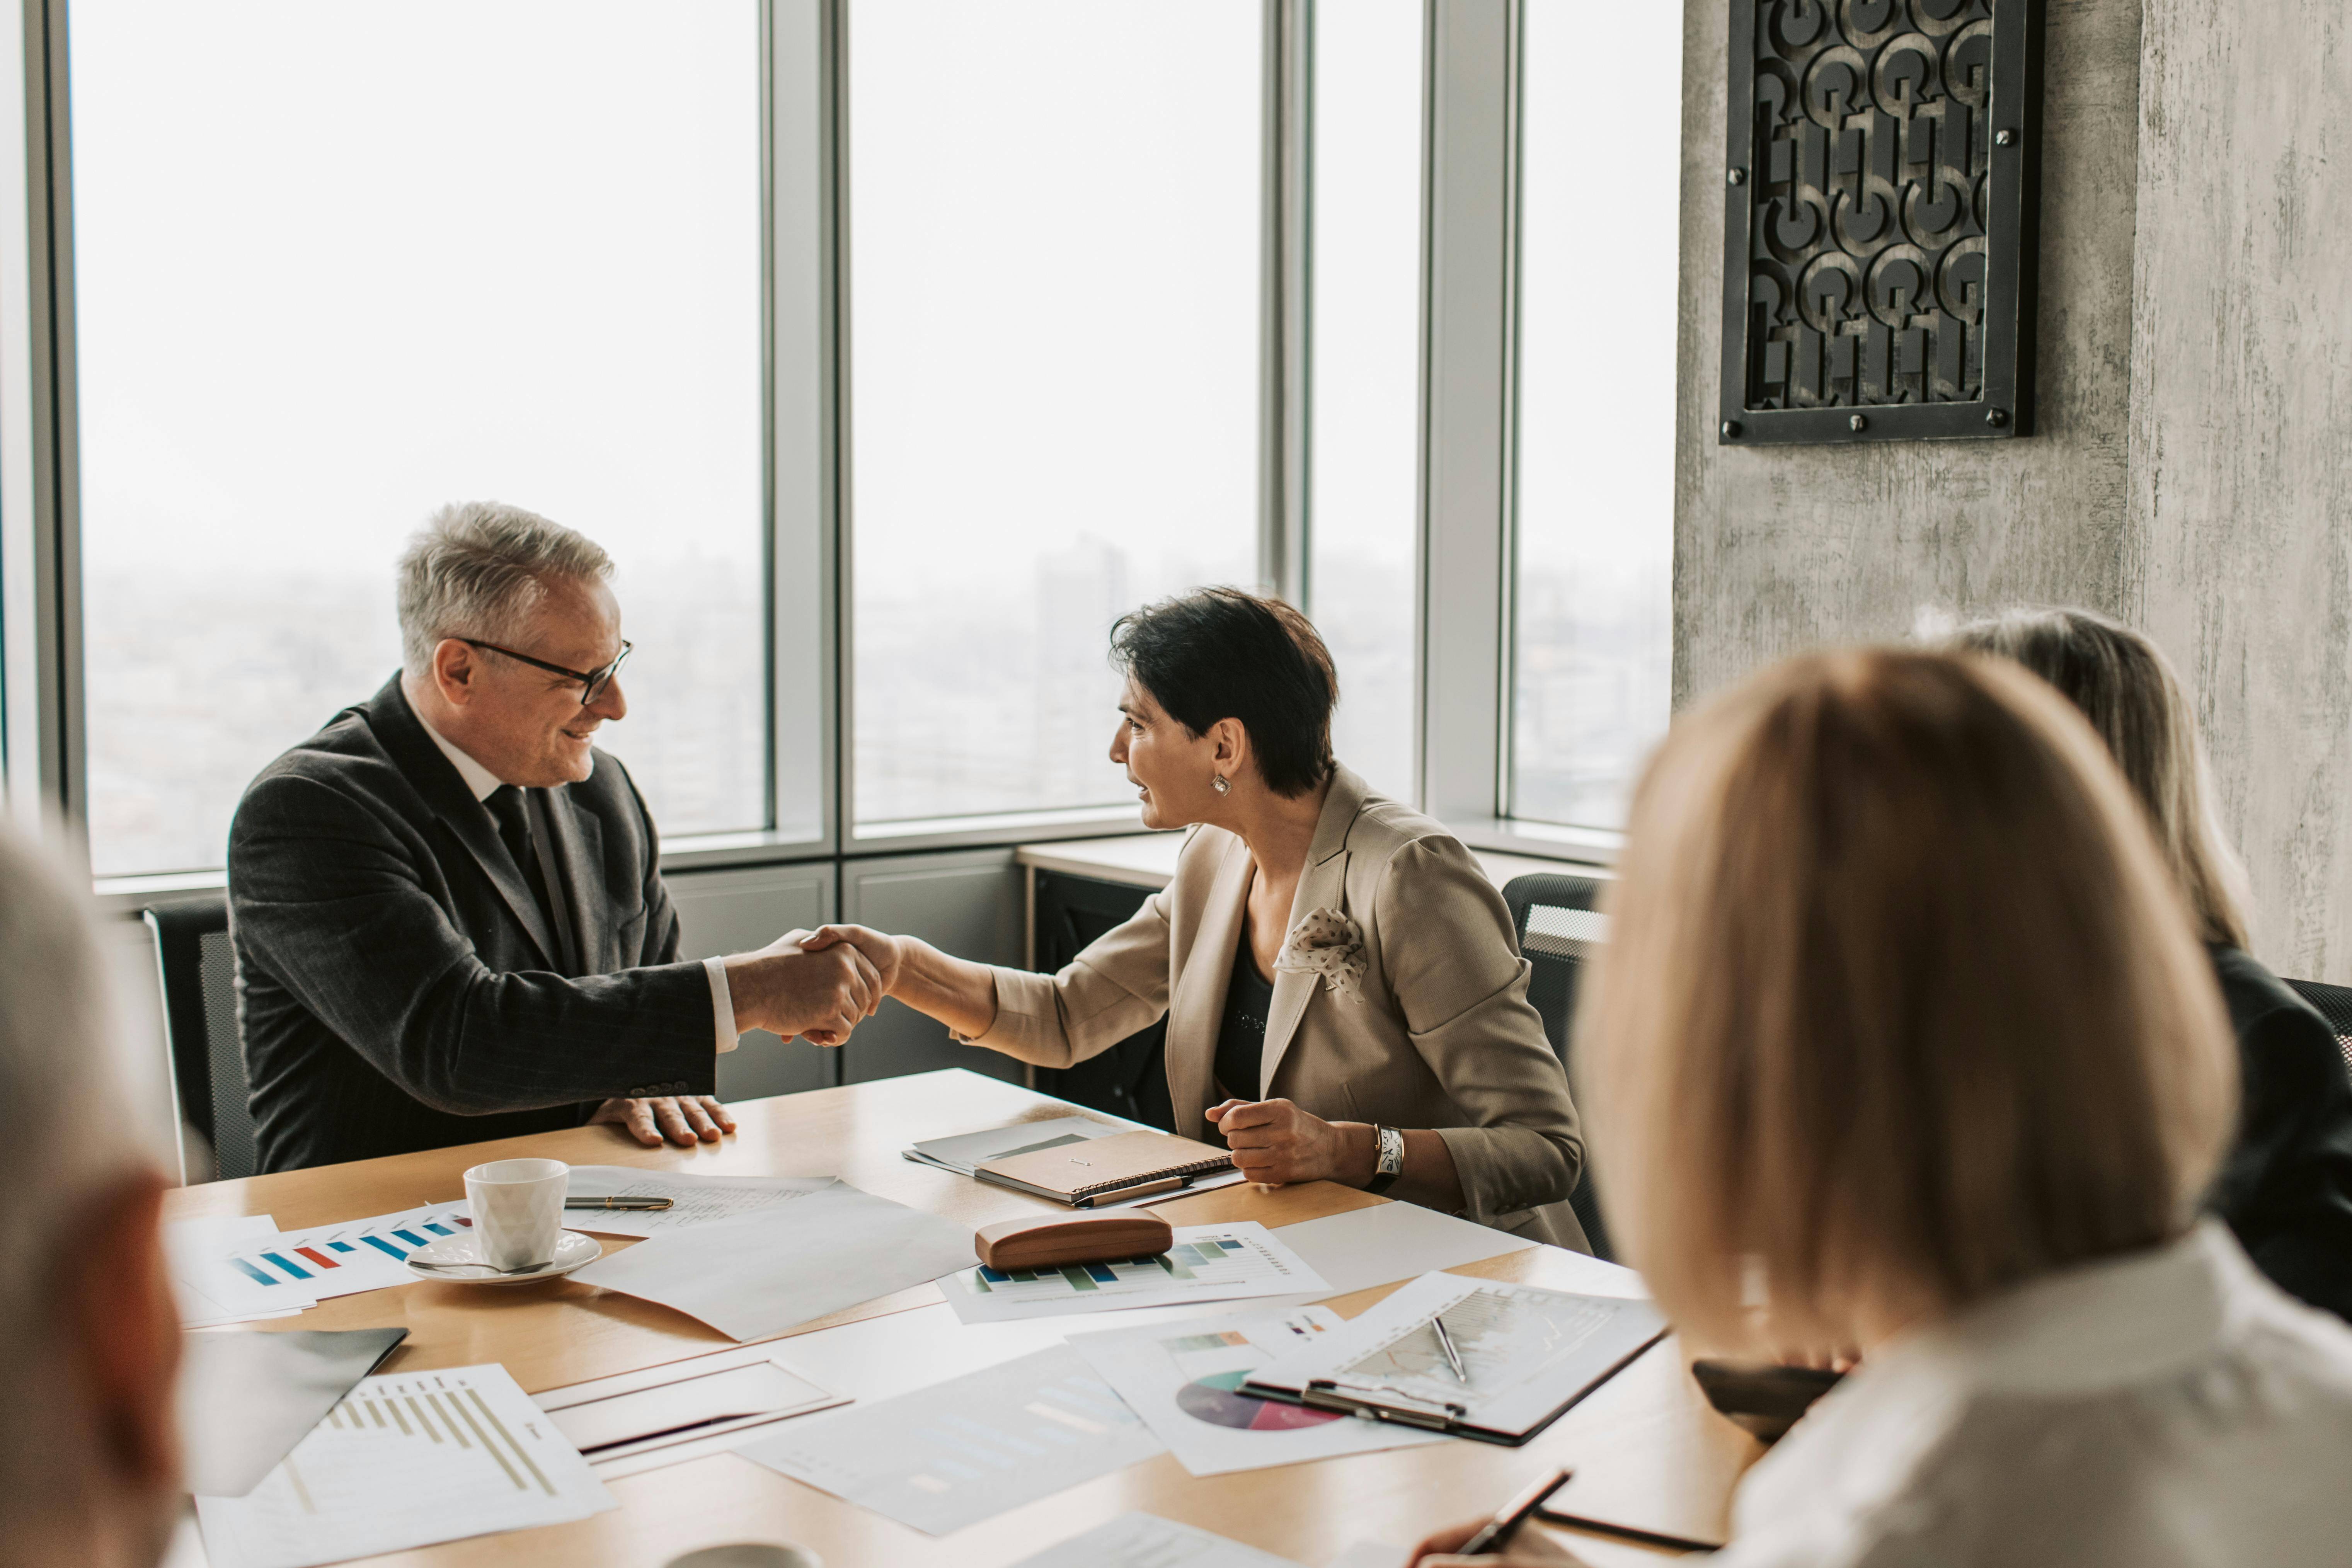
<point>2168,1408</point>
<point>484,783</point>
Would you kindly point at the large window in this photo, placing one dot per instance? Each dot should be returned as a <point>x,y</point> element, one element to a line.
<point>1364,382</point>
<point>1055,242</point>
<point>1598,220</point>
<point>337,265</point>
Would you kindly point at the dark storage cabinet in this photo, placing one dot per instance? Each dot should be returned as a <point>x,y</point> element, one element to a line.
<point>1129,1080</point>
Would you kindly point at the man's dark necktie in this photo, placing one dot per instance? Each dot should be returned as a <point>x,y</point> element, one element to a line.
<point>506,804</point>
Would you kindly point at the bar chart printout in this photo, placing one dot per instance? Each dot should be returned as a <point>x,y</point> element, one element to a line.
<point>356,1255</point>
<point>406,1461</point>
<point>1204,1263</point>
<point>968,1449</point>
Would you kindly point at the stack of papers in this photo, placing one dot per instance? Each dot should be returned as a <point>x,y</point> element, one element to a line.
<point>1207,1263</point>
<point>403,1462</point>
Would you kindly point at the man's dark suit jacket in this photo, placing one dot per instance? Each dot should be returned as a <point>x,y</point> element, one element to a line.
<point>2286,1187</point>
<point>399,988</point>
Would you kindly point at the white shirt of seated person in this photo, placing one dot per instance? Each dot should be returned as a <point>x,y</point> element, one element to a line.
<point>484,783</point>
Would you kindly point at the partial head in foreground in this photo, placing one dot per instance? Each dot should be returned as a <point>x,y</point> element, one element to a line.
<point>90,1339</point>
<point>1221,685</point>
<point>511,640</point>
<point>1899,1007</point>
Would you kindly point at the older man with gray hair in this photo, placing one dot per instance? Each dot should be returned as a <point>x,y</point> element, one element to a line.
<point>447,906</point>
<point>88,1340</point>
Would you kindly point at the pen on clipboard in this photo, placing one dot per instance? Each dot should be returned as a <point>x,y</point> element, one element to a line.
<point>1445,1343</point>
<point>646,1206</point>
<point>1495,1533</point>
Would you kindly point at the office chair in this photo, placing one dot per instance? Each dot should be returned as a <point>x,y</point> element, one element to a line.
<point>1559,928</point>
<point>2332,1003</point>
<point>197,969</point>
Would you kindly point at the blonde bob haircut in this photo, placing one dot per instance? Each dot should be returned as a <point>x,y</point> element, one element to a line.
<point>1899,1007</point>
<point>2126,688</point>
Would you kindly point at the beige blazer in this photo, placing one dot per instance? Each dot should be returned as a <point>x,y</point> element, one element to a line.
<point>1443,1037</point>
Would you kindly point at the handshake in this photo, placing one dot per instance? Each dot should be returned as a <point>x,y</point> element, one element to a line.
<point>818,986</point>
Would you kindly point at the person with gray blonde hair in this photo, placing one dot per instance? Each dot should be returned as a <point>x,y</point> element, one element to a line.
<point>448,907</point>
<point>89,1341</point>
<point>2286,1187</point>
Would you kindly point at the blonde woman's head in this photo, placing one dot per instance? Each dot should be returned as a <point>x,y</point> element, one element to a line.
<point>1899,1007</point>
<point>2126,688</point>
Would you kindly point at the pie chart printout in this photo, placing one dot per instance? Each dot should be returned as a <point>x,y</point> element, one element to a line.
<point>1217,1399</point>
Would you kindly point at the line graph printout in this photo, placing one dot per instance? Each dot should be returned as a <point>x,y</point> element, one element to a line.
<point>1207,1263</point>
<point>968,1449</point>
<point>405,1461</point>
<point>1526,1352</point>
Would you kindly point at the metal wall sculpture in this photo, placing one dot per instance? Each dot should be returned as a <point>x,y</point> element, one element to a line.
<point>1880,208</point>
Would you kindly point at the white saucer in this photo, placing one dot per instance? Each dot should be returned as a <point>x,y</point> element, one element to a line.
<point>573,1250</point>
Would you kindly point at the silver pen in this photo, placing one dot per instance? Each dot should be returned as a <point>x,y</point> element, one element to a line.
<point>1445,1343</point>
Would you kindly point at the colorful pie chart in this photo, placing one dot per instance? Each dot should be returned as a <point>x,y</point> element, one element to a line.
<point>1216,1399</point>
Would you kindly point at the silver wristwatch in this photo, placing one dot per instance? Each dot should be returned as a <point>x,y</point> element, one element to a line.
<point>1391,1160</point>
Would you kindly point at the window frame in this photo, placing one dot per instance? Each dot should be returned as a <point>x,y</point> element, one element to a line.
<point>1463,589</point>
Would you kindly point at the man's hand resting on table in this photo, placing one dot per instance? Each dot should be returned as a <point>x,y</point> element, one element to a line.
<point>684,1118</point>
<point>817,995</point>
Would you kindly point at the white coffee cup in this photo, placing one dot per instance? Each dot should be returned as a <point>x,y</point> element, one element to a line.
<point>518,1210</point>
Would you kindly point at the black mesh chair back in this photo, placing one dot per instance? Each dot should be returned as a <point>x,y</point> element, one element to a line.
<point>2334,1004</point>
<point>198,972</point>
<point>1560,927</point>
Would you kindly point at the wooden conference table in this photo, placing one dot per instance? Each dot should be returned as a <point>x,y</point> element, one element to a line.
<point>1645,1448</point>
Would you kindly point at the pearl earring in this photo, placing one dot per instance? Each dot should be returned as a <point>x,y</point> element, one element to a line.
<point>1220,784</point>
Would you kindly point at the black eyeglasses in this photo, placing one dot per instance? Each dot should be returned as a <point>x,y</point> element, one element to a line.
<point>592,682</point>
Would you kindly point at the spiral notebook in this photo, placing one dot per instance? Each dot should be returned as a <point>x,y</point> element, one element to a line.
<point>1103,1169</point>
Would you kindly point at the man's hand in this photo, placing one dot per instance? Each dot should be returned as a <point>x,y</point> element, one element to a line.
<point>1528,1548</point>
<point>882,952</point>
<point>1274,1140</point>
<point>819,996</point>
<point>685,1119</point>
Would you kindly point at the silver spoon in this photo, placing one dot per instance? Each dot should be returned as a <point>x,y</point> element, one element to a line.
<point>486,1269</point>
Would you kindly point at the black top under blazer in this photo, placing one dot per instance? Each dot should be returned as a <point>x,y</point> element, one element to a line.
<point>2286,1187</point>
<point>398,986</point>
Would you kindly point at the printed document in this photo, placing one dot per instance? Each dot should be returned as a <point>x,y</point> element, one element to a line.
<point>1207,1263</point>
<point>406,1460</point>
<point>1146,1541</point>
<point>957,1452</point>
<point>210,1288</point>
<point>694,1199</point>
<point>1185,1381</point>
<point>777,1268</point>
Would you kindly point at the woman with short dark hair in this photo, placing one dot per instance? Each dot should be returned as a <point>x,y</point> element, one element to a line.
<point>1344,995</point>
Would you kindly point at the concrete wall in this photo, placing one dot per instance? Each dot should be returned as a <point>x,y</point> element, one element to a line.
<point>2241,497</point>
<point>1779,548</point>
<point>2192,469</point>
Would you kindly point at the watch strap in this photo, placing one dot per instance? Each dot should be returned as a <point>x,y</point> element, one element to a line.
<point>1391,1162</point>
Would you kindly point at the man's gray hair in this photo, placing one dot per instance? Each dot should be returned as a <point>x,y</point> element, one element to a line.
<point>478,569</point>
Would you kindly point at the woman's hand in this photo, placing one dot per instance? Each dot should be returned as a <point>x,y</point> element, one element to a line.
<point>1274,1140</point>
<point>1528,1548</point>
<point>884,952</point>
